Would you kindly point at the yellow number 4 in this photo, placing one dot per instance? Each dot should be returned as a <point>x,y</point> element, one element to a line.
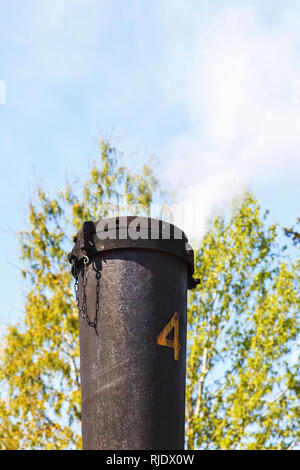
<point>162,339</point>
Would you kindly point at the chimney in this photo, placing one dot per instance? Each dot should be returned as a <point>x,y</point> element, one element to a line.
<point>131,280</point>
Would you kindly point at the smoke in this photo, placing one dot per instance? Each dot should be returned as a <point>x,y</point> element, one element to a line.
<point>241,95</point>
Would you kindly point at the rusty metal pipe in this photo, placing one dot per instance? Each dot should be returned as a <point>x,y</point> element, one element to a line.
<point>133,349</point>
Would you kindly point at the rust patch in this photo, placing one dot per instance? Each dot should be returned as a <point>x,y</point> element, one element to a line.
<point>162,339</point>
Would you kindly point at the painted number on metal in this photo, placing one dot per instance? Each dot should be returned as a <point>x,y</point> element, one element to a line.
<point>162,339</point>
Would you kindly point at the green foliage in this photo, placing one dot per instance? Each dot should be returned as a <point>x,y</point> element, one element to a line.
<point>39,370</point>
<point>242,374</point>
<point>293,234</point>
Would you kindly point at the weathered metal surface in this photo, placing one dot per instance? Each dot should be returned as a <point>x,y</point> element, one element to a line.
<point>112,233</point>
<point>133,369</point>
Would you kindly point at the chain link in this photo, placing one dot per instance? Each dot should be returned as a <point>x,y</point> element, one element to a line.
<point>83,308</point>
<point>98,276</point>
<point>84,313</point>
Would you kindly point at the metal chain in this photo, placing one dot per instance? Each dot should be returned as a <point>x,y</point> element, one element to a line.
<point>83,309</point>
<point>98,275</point>
<point>76,288</point>
<point>84,313</point>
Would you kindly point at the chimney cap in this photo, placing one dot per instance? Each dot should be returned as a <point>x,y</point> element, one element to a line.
<point>130,232</point>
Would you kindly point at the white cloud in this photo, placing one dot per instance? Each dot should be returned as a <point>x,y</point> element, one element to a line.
<point>244,120</point>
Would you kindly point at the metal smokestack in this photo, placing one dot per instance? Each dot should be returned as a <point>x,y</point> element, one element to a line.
<point>132,276</point>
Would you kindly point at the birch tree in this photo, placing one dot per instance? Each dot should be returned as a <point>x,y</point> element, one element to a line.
<point>243,379</point>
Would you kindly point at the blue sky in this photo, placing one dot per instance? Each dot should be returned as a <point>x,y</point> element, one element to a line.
<point>213,88</point>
